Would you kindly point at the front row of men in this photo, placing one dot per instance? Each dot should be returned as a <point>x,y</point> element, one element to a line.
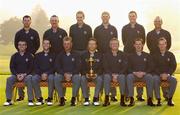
<point>113,66</point>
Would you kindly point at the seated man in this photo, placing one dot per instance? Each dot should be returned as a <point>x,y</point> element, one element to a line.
<point>67,66</point>
<point>44,71</point>
<point>140,67</point>
<point>21,65</point>
<point>115,66</point>
<point>86,68</point>
<point>165,66</point>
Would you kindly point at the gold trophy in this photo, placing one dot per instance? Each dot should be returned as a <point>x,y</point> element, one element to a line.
<point>91,74</point>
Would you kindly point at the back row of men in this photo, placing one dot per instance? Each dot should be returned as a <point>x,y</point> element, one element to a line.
<point>81,33</point>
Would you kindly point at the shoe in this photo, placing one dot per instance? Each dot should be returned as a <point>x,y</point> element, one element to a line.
<point>62,101</point>
<point>7,103</point>
<point>140,98</point>
<point>20,99</point>
<point>106,101</point>
<point>39,101</point>
<point>159,102</point>
<point>149,102</point>
<point>30,103</point>
<point>73,101</point>
<point>170,102</point>
<point>122,103</point>
<point>86,102</point>
<point>96,101</point>
<point>49,101</point>
<point>131,102</point>
<point>113,99</point>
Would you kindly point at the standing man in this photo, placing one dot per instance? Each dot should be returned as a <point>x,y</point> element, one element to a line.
<point>140,69</point>
<point>21,66</point>
<point>80,33</point>
<point>165,66</point>
<point>130,32</point>
<point>115,65</point>
<point>104,33</point>
<point>154,35</point>
<point>44,71</point>
<point>97,68</point>
<point>55,35</point>
<point>67,66</point>
<point>31,37</point>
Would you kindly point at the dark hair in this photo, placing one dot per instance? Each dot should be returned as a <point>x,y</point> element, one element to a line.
<point>162,39</point>
<point>26,16</point>
<point>21,40</point>
<point>133,12</point>
<point>46,39</point>
<point>54,16</point>
<point>139,39</point>
<point>92,39</point>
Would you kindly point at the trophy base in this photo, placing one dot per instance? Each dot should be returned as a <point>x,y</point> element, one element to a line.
<point>91,76</point>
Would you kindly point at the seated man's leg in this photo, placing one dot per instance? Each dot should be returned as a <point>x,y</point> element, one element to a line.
<point>28,82</point>
<point>122,85</point>
<point>50,89</point>
<point>172,87</point>
<point>76,80</point>
<point>156,87</point>
<point>84,88</point>
<point>149,87</point>
<point>107,86</point>
<point>98,87</point>
<point>9,89</point>
<point>37,90</point>
<point>130,83</point>
<point>59,88</point>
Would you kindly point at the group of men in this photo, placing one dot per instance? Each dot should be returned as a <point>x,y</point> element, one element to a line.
<point>66,59</point>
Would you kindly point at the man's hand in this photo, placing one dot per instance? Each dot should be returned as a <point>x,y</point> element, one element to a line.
<point>114,77</point>
<point>139,74</point>
<point>44,76</point>
<point>20,77</point>
<point>67,76</point>
<point>164,76</point>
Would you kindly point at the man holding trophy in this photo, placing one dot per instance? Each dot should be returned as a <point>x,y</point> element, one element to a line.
<point>91,71</point>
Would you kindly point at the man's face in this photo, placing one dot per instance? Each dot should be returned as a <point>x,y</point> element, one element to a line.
<point>138,45</point>
<point>114,45</point>
<point>26,22</point>
<point>105,18</point>
<point>46,45</point>
<point>92,45</point>
<point>22,46</point>
<point>79,18</point>
<point>157,23</point>
<point>162,45</point>
<point>132,17</point>
<point>67,45</point>
<point>54,22</point>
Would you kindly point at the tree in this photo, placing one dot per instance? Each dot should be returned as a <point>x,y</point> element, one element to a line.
<point>8,29</point>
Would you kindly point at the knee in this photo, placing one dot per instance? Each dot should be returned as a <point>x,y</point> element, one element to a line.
<point>83,79</point>
<point>28,78</point>
<point>35,78</point>
<point>107,77</point>
<point>50,78</point>
<point>58,78</point>
<point>130,77</point>
<point>173,80</point>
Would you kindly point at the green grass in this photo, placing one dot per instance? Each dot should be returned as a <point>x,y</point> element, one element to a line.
<point>21,108</point>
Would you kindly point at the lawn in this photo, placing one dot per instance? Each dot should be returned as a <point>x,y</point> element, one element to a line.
<point>140,108</point>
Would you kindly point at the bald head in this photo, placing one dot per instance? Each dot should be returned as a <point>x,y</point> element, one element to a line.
<point>158,22</point>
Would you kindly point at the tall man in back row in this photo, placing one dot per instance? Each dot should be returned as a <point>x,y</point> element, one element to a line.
<point>80,33</point>
<point>130,32</point>
<point>31,37</point>
<point>104,33</point>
